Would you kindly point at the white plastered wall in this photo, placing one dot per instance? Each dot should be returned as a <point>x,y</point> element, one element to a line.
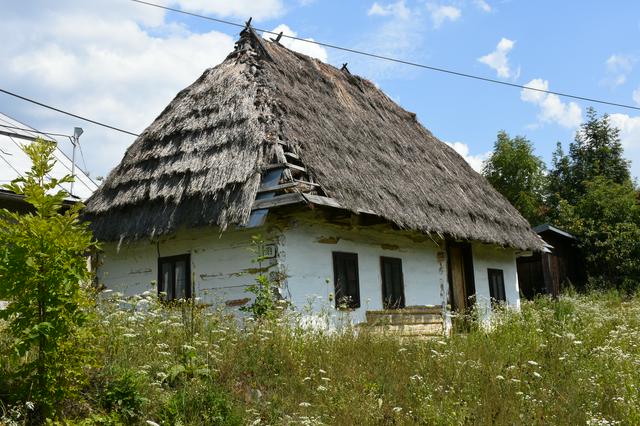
<point>306,250</point>
<point>219,263</point>
<point>486,257</point>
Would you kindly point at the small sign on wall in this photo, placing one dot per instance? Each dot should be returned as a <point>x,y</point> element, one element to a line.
<point>269,251</point>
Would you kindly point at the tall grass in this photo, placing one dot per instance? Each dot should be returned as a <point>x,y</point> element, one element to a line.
<point>571,361</point>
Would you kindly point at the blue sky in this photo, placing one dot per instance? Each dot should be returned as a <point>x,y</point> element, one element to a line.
<point>121,63</point>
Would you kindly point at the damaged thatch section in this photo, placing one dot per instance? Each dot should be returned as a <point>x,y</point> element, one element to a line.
<point>200,161</point>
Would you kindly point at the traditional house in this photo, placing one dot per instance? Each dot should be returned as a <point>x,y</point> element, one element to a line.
<point>357,199</point>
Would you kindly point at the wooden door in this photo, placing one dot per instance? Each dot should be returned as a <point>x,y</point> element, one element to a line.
<point>456,271</point>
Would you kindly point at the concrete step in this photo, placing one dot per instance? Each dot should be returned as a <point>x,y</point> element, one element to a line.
<point>410,330</point>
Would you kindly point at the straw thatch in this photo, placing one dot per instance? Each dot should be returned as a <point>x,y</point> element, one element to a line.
<point>200,161</point>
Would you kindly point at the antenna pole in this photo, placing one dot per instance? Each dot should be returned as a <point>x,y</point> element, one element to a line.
<point>75,140</point>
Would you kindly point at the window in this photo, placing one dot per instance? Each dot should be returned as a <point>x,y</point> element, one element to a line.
<point>345,280</point>
<point>174,277</point>
<point>392,283</point>
<point>496,286</point>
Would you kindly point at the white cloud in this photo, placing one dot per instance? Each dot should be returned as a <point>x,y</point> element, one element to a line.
<point>400,35</point>
<point>618,68</point>
<point>630,138</point>
<point>552,109</point>
<point>475,161</point>
<point>499,60</point>
<point>636,95</point>
<point>119,63</point>
<point>398,10</point>
<point>310,49</point>
<point>482,5</point>
<point>258,9</point>
<point>442,13</point>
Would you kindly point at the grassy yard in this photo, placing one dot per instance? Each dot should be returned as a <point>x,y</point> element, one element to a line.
<point>572,361</point>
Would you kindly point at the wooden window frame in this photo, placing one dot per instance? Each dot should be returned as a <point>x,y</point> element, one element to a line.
<point>501,297</point>
<point>384,284</point>
<point>173,260</point>
<point>354,301</point>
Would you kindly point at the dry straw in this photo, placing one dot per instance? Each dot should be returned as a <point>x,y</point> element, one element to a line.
<point>199,163</point>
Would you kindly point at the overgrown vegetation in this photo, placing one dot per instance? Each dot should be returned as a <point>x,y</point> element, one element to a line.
<point>68,359</point>
<point>42,263</point>
<point>571,361</point>
<point>587,191</point>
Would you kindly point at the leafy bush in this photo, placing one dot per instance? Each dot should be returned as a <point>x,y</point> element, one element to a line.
<point>122,396</point>
<point>42,266</point>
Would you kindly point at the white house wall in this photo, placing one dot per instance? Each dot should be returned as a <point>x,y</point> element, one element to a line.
<point>219,263</point>
<point>492,257</point>
<point>307,249</point>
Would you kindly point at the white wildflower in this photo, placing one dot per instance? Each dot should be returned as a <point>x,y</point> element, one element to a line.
<point>397,409</point>
<point>152,423</point>
<point>535,373</point>
<point>532,363</point>
<point>304,404</point>
<point>500,377</point>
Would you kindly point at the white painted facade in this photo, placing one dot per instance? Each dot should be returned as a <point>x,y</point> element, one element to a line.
<point>221,264</point>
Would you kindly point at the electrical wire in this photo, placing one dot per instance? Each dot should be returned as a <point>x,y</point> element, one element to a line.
<point>400,61</point>
<point>58,150</point>
<point>34,131</point>
<point>79,117</point>
<point>10,165</point>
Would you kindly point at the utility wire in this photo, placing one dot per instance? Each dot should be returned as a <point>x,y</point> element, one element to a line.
<point>10,165</point>
<point>400,61</point>
<point>67,113</point>
<point>34,131</point>
<point>57,150</point>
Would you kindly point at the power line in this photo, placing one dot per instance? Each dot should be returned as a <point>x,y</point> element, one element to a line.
<point>67,113</point>
<point>400,61</point>
<point>11,165</point>
<point>12,135</point>
<point>34,131</point>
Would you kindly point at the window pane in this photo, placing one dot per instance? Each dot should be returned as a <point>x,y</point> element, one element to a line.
<point>345,276</point>
<point>496,285</point>
<point>166,281</point>
<point>181,279</point>
<point>392,284</point>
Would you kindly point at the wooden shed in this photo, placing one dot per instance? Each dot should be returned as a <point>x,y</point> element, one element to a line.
<point>549,271</point>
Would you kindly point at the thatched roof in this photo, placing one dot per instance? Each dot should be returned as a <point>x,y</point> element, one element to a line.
<point>202,160</point>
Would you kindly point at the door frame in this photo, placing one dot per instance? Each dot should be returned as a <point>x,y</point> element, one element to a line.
<point>467,271</point>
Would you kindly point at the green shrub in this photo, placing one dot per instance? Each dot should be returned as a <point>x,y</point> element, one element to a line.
<point>42,268</point>
<point>122,396</point>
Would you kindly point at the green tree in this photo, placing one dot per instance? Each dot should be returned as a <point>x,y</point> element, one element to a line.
<point>518,174</point>
<point>595,152</point>
<point>42,268</point>
<point>609,231</point>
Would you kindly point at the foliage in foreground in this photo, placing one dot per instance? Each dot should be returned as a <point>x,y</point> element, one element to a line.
<point>573,361</point>
<point>42,262</point>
